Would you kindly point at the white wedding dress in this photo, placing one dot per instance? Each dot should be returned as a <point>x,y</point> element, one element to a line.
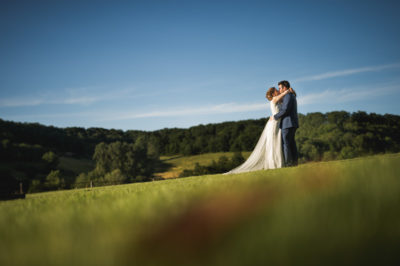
<point>267,153</point>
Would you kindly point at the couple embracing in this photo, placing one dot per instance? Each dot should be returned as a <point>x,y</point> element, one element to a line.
<point>276,146</point>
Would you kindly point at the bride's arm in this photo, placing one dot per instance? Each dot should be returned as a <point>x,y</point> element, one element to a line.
<point>280,96</point>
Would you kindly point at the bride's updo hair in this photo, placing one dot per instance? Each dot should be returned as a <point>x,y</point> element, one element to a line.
<point>292,91</point>
<point>270,93</point>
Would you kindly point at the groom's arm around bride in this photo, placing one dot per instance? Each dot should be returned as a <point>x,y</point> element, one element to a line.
<point>288,124</point>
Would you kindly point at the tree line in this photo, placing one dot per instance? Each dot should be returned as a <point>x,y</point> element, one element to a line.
<point>132,155</point>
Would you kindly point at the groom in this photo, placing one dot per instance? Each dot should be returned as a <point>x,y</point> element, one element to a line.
<point>289,124</point>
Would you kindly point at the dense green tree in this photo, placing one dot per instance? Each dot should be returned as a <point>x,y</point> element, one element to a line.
<point>82,180</point>
<point>54,180</point>
<point>51,159</point>
<point>115,177</point>
<point>132,160</point>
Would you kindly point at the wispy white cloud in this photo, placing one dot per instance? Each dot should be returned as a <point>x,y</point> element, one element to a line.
<point>190,111</point>
<point>25,102</point>
<point>109,115</point>
<point>347,72</point>
<point>76,96</point>
<point>333,96</point>
<point>91,95</point>
<point>19,102</point>
<point>56,96</point>
<point>329,96</point>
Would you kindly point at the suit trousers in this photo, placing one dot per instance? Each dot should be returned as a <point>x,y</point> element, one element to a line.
<point>289,146</point>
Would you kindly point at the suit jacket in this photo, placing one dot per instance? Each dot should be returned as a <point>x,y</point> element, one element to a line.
<point>288,112</point>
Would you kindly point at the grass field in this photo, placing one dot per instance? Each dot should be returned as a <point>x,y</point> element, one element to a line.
<point>177,163</point>
<point>328,213</point>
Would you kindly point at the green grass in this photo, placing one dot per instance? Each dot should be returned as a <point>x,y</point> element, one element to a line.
<point>178,163</point>
<point>330,213</point>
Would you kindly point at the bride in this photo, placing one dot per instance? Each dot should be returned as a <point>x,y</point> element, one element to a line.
<point>267,153</point>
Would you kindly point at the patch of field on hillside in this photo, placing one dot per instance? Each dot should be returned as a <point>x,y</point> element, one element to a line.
<point>329,213</point>
<point>174,165</point>
<point>75,165</point>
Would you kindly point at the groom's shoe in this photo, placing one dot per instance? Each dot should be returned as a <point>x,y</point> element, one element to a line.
<point>291,164</point>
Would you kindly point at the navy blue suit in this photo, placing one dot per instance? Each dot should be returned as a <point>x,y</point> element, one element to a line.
<point>289,124</point>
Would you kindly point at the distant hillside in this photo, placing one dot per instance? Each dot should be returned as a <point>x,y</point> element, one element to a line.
<point>31,151</point>
<point>338,132</point>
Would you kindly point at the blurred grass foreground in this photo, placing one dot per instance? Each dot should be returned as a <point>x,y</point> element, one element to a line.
<point>331,213</point>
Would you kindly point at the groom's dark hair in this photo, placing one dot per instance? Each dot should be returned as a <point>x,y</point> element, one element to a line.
<point>284,83</point>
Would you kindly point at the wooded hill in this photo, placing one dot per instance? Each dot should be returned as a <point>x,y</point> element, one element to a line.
<point>30,151</point>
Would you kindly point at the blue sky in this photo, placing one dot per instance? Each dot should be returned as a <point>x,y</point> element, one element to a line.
<point>154,64</point>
